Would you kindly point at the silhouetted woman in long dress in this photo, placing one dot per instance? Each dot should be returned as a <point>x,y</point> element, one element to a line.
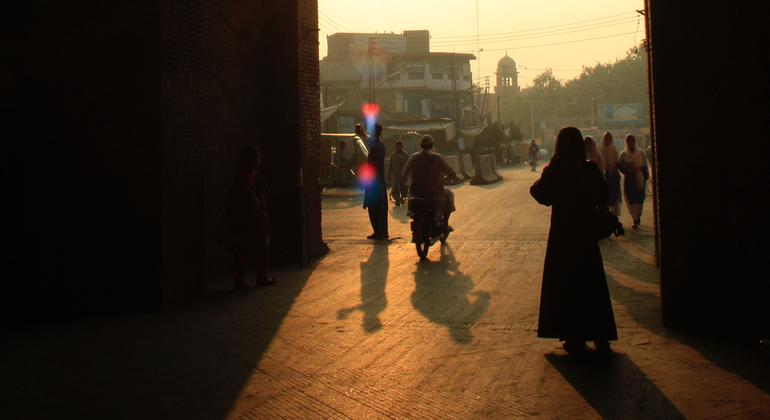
<point>574,302</point>
<point>245,227</point>
<point>611,173</point>
<point>633,164</point>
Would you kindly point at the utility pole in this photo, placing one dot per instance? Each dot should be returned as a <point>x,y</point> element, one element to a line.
<point>478,49</point>
<point>532,118</point>
<point>453,75</point>
<point>370,65</point>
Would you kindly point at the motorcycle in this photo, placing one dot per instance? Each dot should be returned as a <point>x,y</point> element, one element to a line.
<point>428,225</point>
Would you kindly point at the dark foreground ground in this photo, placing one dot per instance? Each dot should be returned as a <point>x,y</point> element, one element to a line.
<point>369,332</point>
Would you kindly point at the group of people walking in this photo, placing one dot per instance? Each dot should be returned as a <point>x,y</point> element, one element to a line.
<point>581,179</point>
<point>631,163</point>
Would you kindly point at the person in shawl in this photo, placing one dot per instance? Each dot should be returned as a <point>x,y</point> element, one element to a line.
<point>592,153</point>
<point>575,302</point>
<point>633,164</point>
<point>376,188</point>
<point>534,154</point>
<point>610,160</point>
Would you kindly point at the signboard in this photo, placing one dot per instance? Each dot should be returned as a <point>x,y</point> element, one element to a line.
<point>621,114</point>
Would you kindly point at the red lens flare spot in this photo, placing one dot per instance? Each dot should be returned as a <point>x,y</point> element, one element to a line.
<point>370,110</point>
<point>366,174</point>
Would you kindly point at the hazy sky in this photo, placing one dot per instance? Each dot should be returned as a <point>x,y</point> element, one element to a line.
<point>584,32</point>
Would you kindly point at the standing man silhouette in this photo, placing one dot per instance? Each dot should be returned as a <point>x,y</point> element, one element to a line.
<point>376,192</point>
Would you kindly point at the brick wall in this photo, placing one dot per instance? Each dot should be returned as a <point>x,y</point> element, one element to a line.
<point>233,74</point>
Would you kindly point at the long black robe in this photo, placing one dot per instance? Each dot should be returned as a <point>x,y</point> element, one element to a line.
<point>574,301</point>
<point>376,194</point>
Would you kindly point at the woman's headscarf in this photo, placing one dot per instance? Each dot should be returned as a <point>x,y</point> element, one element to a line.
<point>592,153</point>
<point>569,151</point>
<point>609,154</point>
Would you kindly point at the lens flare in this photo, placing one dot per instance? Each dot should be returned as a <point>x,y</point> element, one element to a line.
<point>370,111</point>
<point>366,174</point>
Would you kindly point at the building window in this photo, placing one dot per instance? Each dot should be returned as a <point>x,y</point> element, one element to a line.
<point>438,75</point>
<point>416,75</point>
<point>413,105</point>
<point>467,78</point>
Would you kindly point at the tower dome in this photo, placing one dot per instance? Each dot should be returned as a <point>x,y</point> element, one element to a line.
<point>506,62</point>
<point>507,77</point>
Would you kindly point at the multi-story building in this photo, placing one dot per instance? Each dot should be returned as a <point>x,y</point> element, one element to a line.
<point>397,71</point>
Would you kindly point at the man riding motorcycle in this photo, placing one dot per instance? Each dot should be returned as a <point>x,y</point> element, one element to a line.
<point>424,173</point>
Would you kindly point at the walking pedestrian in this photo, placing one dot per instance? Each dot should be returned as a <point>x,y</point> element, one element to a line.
<point>397,161</point>
<point>633,164</point>
<point>245,227</point>
<point>575,303</point>
<point>376,189</point>
<point>534,154</point>
<point>611,174</point>
<point>592,153</point>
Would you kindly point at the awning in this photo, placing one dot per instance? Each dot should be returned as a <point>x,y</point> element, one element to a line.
<point>424,126</point>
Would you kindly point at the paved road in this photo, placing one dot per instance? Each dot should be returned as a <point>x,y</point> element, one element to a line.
<point>369,332</point>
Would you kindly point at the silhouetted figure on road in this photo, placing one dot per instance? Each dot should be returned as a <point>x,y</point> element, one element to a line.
<point>376,189</point>
<point>592,153</point>
<point>575,302</point>
<point>245,227</point>
<point>611,173</point>
<point>633,164</point>
<point>534,155</point>
<point>424,172</point>
<point>397,161</point>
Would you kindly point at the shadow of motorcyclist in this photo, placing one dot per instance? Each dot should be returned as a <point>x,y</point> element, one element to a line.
<point>374,274</point>
<point>400,213</point>
<point>443,294</point>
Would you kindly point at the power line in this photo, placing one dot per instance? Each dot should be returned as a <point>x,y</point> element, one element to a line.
<point>559,43</point>
<point>537,29</point>
<point>544,34</point>
<point>399,42</point>
<point>333,22</point>
<point>335,28</point>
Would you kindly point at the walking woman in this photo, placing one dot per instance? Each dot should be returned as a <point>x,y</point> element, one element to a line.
<point>575,301</point>
<point>610,159</point>
<point>534,154</point>
<point>245,225</point>
<point>633,165</point>
<point>592,153</point>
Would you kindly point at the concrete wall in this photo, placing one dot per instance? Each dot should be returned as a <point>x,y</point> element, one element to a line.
<point>710,120</point>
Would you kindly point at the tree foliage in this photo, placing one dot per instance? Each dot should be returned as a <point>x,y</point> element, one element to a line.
<point>577,99</point>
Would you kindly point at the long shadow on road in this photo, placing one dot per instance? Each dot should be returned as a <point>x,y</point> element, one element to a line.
<point>739,358</point>
<point>374,275</point>
<point>616,388</point>
<point>443,295</point>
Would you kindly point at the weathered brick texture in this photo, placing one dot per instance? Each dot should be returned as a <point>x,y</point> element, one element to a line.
<point>234,74</point>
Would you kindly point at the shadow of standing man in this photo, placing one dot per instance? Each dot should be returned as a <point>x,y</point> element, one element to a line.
<point>374,275</point>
